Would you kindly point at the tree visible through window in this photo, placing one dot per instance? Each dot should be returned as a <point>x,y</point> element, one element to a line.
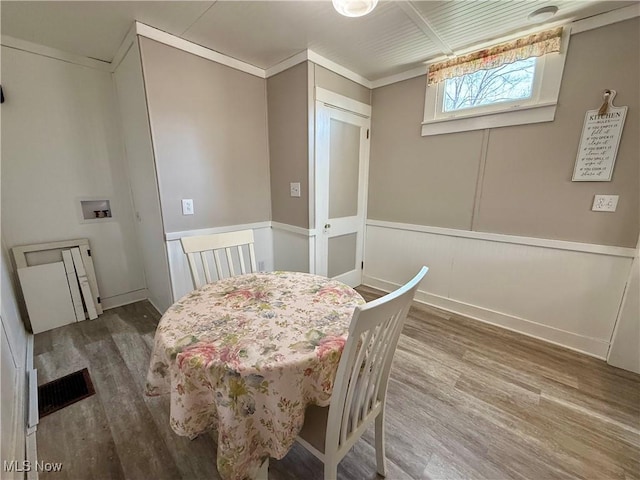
<point>513,81</point>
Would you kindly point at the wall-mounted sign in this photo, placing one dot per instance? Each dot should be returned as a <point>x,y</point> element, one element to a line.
<point>599,142</point>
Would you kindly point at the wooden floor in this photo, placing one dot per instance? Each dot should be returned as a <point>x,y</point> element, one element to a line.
<point>466,400</point>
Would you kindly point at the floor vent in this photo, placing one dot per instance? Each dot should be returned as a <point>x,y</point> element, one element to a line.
<point>64,391</point>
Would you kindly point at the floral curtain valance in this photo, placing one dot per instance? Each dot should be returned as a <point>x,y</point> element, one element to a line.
<point>534,45</point>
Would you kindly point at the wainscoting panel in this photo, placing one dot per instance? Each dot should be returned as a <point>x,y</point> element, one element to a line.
<point>558,294</point>
<point>181,282</point>
<point>290,248</point>
<point>396,255</point>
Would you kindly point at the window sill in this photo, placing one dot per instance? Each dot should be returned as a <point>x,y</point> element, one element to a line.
<point>542,112</point>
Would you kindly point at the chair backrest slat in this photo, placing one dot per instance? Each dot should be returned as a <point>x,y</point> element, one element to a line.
<point>252,257</point>
<point>376,354</point>
<point>232,271</point>
<point>243,268</point>
<point>363,372</point>
<point>346,421</point>
<point>205,267</point>
<point>218,262</point>
<point>231,242</point>
<point>384,368</point>
<point>193,266</point>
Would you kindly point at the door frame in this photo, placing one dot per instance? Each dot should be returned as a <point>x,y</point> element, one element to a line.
<point>336,101</point>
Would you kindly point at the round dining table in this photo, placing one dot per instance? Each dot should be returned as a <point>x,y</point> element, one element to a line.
<point>245,356</point>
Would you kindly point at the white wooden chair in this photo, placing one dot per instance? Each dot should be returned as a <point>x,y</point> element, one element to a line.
<point>232,242</point>
<point>360,388</point>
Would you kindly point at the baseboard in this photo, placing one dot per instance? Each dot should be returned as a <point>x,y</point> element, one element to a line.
<point>32,401</point>
<point>29,353</point>
<point>153,304</point>
<point>31,405</point>
<point>124,299</point>
<point>589,346</point>
<point>32,456</point>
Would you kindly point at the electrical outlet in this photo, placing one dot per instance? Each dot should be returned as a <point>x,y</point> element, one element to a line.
<point>187,206</point>
<point>605,203</point>
<point>295,189</point>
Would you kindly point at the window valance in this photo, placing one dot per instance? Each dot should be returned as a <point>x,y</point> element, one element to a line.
<point>534,45</point>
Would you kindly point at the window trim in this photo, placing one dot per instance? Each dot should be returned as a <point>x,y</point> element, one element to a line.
<point>540,107</point>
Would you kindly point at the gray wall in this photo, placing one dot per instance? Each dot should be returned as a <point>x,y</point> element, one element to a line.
<point>336,83</point>
<point>209,127</point>
<point>287,98</point>
<point>525,186</point>
<point>289,95</point>
<point>414,179</point>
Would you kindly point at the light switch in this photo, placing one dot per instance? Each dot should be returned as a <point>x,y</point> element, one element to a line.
<point>295,189</point>
<point>605,203</point>
<point>187,206</point>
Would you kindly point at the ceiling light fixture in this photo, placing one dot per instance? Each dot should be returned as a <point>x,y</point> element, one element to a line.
<point>543,14</point>
<point>354,8</point>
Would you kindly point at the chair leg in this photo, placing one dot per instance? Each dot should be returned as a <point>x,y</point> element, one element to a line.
<point>330,469</point>
<point>263,471</point>
<point>380,454</point>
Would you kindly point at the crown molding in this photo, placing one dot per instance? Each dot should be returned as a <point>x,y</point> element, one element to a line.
<point>287,64</point>
<point>399,77</point>
<point>604,19</point>
<point>337,68</point>
<point>311,56</point>
<point>127,41</point>
<point>54,53</point>
<point>195,49</point>
<point>152,33</point>
<point>578,26</point>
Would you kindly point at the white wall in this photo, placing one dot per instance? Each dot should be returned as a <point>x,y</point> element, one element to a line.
<point>142,176</point>
<point>61,140</point>
<point>13,350</point>
<point>561,292</point>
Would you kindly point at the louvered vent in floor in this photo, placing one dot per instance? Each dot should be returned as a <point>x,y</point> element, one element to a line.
<point>64,391</point>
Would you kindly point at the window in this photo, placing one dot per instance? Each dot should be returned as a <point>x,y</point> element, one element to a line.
<point>506,83</point>
<point>494,88</point>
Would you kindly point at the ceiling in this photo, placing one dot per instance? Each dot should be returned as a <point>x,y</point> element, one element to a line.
<point>395,37</point>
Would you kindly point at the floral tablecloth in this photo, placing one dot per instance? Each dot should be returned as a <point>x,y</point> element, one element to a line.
<point>246,355</point>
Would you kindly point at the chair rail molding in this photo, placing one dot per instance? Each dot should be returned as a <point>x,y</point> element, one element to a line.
<point>208,231</point>
<point>516,239</point>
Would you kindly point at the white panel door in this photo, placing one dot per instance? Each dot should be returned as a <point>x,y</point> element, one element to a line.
<point>342,155</point>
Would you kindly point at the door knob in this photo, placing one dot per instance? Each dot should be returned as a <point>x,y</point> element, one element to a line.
<point>327,225</point>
